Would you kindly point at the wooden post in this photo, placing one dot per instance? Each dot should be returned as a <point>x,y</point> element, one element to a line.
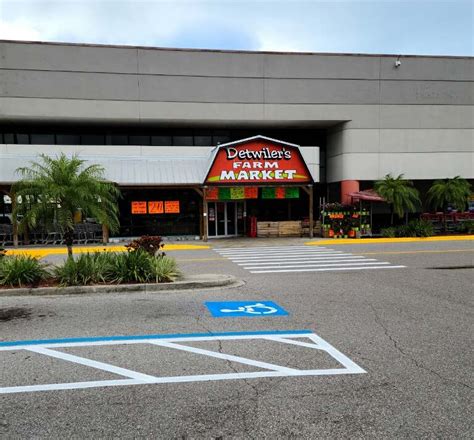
<point>14,222</point>
<point>105,234</point>
<point>311,220</point>
<point>204,215</point>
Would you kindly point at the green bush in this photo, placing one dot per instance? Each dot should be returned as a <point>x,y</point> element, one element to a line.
<point>164,270</point>
<point>466,227</point>
<point>421,228</point>
<point>85,269</point>
<point>129,267</point>
<point>21,270</point>
<point>388,232</point>
<point>404,231</point>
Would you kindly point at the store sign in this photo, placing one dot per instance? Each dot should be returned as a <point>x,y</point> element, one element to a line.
<point>258,161</point>
<point>155,207</point>
<point>172,207</point>
<point>139,208</point>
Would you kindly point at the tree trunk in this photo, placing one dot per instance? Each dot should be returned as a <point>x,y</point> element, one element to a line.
<point>68,240</point>
<point>391,215</point>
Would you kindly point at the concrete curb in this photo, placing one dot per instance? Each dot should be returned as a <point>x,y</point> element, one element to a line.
<point>190,283</point>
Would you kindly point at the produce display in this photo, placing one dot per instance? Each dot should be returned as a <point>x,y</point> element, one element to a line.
<point>344,221</point>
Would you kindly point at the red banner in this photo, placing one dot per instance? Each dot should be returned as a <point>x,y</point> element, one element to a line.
<point>258,161</point>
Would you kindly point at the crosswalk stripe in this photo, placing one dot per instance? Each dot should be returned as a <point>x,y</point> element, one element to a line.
<point>263,248</point>
<point>306,260</point>
<point>327,269</point>
<point>372,262</point>
<point>296,251</point>
<point>271,259</point>
<point>286,257</point>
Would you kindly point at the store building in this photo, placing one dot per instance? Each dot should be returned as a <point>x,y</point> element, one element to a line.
<point>161,120</point>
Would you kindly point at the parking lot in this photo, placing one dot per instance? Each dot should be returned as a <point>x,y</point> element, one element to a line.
<point>298,352</point>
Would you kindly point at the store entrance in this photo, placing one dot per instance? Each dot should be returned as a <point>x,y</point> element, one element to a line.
<point>225,219</point>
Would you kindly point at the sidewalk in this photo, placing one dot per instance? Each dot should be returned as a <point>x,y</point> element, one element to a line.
<point>237,242</point>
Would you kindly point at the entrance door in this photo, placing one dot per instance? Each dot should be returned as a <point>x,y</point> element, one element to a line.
<point>225,219</point>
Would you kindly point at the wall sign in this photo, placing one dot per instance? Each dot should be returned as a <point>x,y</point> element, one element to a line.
<point>258,160</point>
<point>172,207</point>
<point>155,207</point>
<point>139,207</point>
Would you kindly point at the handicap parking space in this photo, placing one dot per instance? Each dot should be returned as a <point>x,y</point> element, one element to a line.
<point>167,359</point>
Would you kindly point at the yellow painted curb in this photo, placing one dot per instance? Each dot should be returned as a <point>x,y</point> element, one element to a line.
<point>42,252</point>
<point>334,241</point>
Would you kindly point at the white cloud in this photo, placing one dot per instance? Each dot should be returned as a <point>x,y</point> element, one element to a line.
<point>18,30</point>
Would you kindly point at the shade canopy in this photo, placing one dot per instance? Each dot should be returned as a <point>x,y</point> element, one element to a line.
<point>368,195</point>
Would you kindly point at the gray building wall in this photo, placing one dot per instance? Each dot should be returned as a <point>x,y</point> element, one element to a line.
<point>417,119</point>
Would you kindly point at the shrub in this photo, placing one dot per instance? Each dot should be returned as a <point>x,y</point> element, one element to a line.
<point>421,228</point>
<point>131,267</point>
<point>151,244</point>
<point>21,270</point>
<point>466,227</point>
<point>164,270</point>
<point>85,269</point>
<point>416,228</point>
<point>388,232</point>
<point>404,231</point>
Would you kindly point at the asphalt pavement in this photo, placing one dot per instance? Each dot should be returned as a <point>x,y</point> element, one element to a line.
<point>375,353</point>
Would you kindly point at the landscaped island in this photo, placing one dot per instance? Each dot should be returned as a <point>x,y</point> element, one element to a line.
<point>144,262</point>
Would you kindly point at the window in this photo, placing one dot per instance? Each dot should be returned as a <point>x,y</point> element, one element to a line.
<point>8,138</point>
<point>67,139</point>
<point>163,140</point>
<point>139,140</point>
<point>92,139</point>
<point>202,138</point>
<point>43,139</point>
<point>118,139</point>
<point>22,139</point>
<point>182,140</point>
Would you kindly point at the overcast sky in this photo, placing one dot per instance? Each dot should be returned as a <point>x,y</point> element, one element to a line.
<point>381,26</point>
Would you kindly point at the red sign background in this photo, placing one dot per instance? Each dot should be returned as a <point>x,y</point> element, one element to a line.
<point>258,161</point>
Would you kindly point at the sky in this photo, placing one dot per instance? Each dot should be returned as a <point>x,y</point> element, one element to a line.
<point>424,27</point>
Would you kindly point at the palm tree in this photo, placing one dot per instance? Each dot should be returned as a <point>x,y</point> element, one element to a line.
<point>399,193</point>
<point>455,191</point>
<point>51,191</point>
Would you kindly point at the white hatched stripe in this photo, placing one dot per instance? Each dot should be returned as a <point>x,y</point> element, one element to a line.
<point>350,263</point>
<point>327,269</point>
<point>91,363</point>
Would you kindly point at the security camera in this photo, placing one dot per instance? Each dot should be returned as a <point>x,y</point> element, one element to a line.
<point>398,63</point>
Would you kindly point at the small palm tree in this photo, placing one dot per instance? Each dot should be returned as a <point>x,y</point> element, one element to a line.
<point>399,193</point>
<point>51,191</point>
<point>455,191</point>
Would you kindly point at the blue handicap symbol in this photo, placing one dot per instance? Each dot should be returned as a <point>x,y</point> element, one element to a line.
<point>232,309</point>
